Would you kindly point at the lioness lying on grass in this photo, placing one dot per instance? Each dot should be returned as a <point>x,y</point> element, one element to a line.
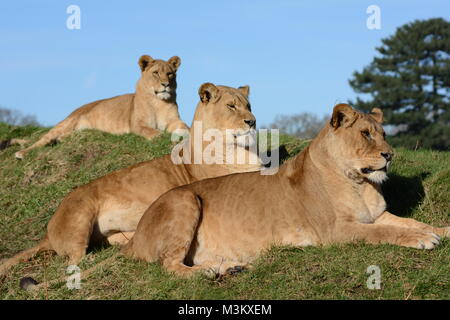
<point>147,112</point>
<point>329,193</point>
<point>110,207</point>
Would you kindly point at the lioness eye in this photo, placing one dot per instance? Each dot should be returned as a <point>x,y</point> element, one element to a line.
<point>249,107</point>
<point>231,106</point>
<point>170,75</point>
<point>155,73</point>
<point>366,134</point>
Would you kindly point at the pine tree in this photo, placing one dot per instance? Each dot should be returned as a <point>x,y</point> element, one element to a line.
<point>410,81</point>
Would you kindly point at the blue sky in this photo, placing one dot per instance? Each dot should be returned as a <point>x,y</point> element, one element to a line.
<point>296,56</point>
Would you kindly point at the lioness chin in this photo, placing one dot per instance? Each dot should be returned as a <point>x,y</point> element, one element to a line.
<point>329,193</point>
<point>147,112</point>
<point>109,208</point>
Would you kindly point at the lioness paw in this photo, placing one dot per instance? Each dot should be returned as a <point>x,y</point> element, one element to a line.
<point>19,155</point>
<point>421,240</point>
<point>235,269</point>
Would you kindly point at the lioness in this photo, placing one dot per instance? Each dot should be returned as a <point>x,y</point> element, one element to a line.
<point>148,111</point>
<point>329,193</point>
<point>111,206</point>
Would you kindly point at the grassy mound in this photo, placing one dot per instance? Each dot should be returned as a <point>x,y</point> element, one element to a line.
<point>31,190</point>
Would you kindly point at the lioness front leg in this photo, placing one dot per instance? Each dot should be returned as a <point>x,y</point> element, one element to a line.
<point>383,233</point>
<point>178,129</point>
<point>120,238</point>
<point>388,218</point>
<point>146,132</point>
<point>176,125</point>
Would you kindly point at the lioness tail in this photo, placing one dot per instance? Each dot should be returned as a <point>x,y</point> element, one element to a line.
<point>25,255</point>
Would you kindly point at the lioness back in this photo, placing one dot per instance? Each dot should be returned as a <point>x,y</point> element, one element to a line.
<point>112,115</point>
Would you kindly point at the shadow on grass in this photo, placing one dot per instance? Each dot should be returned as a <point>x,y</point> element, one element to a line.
<point>283,155</point>
<point>403,194</point>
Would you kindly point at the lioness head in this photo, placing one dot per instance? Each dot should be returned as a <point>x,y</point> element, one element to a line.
<point>358,143</point>
<point>158,76</point>
<point>228,110</point>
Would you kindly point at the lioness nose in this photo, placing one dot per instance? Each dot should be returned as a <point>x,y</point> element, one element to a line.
<point>251,123</point>
<point>387,155</point>
<point>165,84</point>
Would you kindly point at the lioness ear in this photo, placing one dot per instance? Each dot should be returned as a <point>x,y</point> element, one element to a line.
<point>208,92</point>
<point>377,114</point>
<point>245,90</point>
<point>144,61</point>
<point>343,115</point>
<point>175,62</point>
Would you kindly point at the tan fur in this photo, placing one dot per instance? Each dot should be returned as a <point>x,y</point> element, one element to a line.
<point>327,194</point>
<point>112,206</point>
<point>147,112</point>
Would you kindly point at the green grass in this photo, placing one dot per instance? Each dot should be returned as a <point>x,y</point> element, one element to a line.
<point>32,189</point>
